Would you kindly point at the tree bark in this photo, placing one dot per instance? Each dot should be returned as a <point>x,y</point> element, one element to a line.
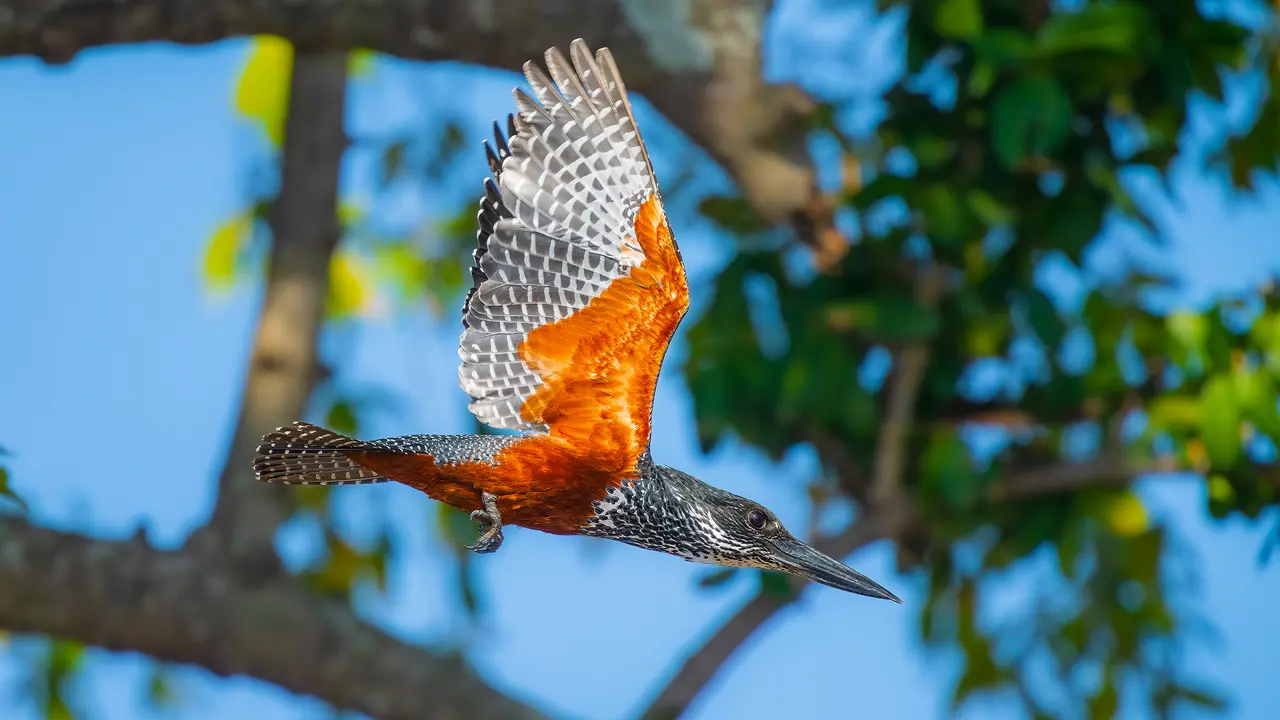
<point>284,368</point>
<point>176,606</point>
<point>698,61</point>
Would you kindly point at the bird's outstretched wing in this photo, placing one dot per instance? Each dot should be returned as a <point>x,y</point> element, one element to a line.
<point>579,284</point>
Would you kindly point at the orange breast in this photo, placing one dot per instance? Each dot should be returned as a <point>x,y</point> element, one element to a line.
<point>541,482</point>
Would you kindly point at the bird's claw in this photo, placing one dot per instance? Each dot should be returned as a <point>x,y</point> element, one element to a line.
<point>489,524</point>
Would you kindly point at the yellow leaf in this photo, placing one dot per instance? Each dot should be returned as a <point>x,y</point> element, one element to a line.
<point>262,93</point>
<point>1120,511</point>
<point>222,255</point>
<point>1126,515</point>
<point>350,286</point>
<point>1174,412</point>
<point>349,213</point>
<point>1220,489</point>
<point>360,63</point>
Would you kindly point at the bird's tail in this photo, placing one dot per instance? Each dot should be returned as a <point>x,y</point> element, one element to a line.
<point>304,454</point>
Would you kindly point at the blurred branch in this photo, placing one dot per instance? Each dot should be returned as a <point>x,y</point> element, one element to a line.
<point>1108,468</point>
<point>283,368</point>
<point>176,607</point>
<point>700,667</point>
<point>700,67</point>
<point>888,500</point>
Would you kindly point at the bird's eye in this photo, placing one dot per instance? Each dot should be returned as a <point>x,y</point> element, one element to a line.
<point>757,519</point>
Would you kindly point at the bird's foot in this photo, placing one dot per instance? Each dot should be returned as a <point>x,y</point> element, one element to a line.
<point>488,524</point>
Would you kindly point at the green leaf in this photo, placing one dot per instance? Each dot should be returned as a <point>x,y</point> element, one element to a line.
<point>1031,117</point>
<point>1220,422</point>
<point>360,63</point>
<point>342,418</point>
<point>989,210</point>
<point>776,584</point>
<point>1115,27</point>
<point>53,671</point>
<point>1119,511</point>
<point>1068,546</point>
<point>1189,332</point>
<point>1004,48</point>
<point>1266,334</point>
<point>448,146</point>
<point>1103,706</point>
<point>943,211</point>
<point>1174,412</point>
<point>948,472</point>
<point>1044,319</point>
<point>472,598</point>
<point>981,78</point>
<point>7,492</point>
<point>734,214</point>
<point>160,688</point>
<point>1256,391</point>
<point>717,578</point>
<point>392,162</point>
<point>455,527</point>
<point>932,151</point>
<point>888,318</point>
<point>980,671</point>
<point>960,19</point>
<point>403,268</point>
<point>1200,697</point>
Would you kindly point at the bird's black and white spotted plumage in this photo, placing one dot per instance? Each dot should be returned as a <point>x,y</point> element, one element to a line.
<point>304,454</point>
<point>557,222</point>
<point>667,510</point>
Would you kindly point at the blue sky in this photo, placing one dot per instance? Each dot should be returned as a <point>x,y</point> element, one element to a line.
<point>115,171</point>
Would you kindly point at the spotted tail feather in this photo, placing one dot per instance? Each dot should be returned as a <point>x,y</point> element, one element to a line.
<point>304,454</point>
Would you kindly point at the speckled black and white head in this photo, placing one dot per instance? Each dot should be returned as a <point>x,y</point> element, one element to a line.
<point>675,513</point>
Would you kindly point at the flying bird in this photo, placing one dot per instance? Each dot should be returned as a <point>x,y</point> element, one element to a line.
<point>578,288</point>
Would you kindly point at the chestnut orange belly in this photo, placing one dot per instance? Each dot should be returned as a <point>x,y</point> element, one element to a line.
<point>540,481</point>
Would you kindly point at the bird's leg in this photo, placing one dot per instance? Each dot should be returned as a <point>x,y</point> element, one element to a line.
<point>488,524</point>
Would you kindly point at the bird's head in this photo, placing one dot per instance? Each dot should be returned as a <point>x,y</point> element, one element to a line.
<point>673,512</point>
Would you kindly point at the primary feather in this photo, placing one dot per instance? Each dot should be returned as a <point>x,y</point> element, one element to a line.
<point>557,223</point>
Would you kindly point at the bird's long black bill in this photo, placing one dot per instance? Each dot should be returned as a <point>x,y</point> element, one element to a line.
<point>806,562</point>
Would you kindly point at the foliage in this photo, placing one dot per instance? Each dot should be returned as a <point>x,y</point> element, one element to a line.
<point>7,493</point>
<point>1010,143</point>
<point>373,270</point>
<point>50,673</point>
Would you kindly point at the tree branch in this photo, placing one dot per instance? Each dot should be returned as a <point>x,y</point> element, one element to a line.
<point>284,368</point>
<point>1109,468</point>
<point>176,607</point>
<point>701,67</point>
<point>888,500</point>
<point>700,667</point>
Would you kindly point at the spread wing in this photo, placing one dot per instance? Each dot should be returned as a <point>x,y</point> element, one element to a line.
<point>579,284</point>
